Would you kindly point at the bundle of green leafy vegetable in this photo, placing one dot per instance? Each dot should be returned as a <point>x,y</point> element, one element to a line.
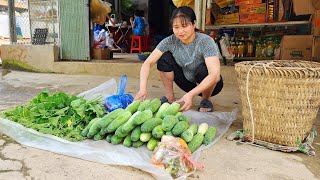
<point>58,114</point>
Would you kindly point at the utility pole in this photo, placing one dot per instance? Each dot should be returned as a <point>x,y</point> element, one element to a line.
<point>12,21</point>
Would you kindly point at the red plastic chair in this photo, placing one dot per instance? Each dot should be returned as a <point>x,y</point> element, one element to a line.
<point>141,42</point>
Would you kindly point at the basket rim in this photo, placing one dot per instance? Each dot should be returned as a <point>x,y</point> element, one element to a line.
<point>265,64</point>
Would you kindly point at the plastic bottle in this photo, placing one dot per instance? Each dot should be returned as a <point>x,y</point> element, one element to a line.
<point>270,47</point>
<point>276,46</point>
<point>240,49</point>
<point>232,44</point>
<point>258,50</point>
<point>244,46</point>
<point>235,49</point>
<point>264,48</point>
<point>250,52</point>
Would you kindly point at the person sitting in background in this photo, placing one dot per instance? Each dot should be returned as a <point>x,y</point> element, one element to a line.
<point>146,24</point>
<point>137,24</point>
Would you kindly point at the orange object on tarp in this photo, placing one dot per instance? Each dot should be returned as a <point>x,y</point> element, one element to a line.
<point>99,11</point>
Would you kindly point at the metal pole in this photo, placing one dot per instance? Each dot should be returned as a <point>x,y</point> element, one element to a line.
<point>12,22</point>
<point>119,9</point>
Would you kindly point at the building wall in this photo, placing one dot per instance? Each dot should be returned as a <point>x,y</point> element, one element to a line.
<point>39,57</point>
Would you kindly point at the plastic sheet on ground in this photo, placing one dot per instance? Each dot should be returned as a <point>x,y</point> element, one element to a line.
<point>106,153</point>
<point>102,91</point>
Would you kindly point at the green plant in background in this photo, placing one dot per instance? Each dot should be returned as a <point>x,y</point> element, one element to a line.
<point>128,7</point>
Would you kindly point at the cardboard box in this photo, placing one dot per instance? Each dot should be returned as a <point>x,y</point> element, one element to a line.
<point>252,18</point>
<point>316,23</point>
<point>296,47</point>
<point>223,3</point>
<point>243,2</point>
<point>316,4</point>
<point>227,19</point>
<point>302,7</point>
<point>101,53</point>
<point>276,9</point>
<point>253,9</point>
<point>316,49</point>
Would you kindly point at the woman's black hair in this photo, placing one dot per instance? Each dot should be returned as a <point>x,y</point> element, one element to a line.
<point>185,14</point>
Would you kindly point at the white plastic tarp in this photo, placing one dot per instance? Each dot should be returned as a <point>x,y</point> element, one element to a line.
<point>106,153</point>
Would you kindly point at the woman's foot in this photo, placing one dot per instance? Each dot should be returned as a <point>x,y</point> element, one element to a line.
<point>205,106</point>
<point>164,99</point>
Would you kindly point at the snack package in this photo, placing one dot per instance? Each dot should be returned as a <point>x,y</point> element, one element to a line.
<point>173,155</point>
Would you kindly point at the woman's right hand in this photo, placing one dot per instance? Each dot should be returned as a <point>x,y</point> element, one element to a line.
<point>141,95</point>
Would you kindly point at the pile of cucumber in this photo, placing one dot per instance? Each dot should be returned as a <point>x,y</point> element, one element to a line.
<point>146,122</point>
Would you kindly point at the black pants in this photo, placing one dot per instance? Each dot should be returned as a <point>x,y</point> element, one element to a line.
<point>167,63</point>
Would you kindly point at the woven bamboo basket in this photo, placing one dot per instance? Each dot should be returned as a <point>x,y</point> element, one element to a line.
<point>284,97</point>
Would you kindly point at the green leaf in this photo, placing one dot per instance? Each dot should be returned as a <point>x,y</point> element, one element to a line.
<point>46,130</point>
<point>54,120</point>
<point>96,109</point>
<point>62,111</point>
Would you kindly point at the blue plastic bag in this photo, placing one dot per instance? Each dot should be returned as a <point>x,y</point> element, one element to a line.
<point>120,100</point>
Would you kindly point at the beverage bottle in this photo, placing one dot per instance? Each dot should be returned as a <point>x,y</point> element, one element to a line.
<point>240,49</point>
<point>258,50</point>
<point>276,46</point>
<point>244,47</point>
<point>264,49</point>
<point>232,44</point>
<point>235,49</point>
<point>270,47</point>
<point>250,52</point>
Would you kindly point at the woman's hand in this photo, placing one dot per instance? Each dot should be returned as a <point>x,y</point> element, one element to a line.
<point>142,95</point>
<point>187,99</point>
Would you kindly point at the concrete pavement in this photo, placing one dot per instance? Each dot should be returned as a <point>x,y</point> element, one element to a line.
<point>224,160</point>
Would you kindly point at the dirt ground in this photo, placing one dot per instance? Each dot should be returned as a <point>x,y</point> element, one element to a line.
<point>224,160</point>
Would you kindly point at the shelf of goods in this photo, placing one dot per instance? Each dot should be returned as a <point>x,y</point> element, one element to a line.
<point>44,14</point>
<point>288,23</point>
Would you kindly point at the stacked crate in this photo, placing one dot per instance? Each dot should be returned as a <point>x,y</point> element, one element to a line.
<point>252,11</point>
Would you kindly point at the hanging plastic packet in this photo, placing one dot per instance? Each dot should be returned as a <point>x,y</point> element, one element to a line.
<point>119,100</point>
<point>174,156</point>
<point>109,40</point>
